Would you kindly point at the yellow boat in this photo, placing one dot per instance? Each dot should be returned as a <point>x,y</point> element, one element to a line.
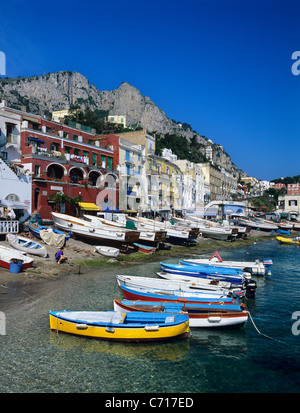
<point>283,240</point>
<point>116,326</point>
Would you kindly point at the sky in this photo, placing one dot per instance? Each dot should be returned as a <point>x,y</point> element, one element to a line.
<point>222,66</point>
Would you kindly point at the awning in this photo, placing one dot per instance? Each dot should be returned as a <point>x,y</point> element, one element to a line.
<point>31,119</point>
<point>30,138</point>
<point>88,206</point>
<point>13,204</point>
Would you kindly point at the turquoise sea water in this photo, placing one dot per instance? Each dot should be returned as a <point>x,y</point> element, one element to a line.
<point>37,360</point>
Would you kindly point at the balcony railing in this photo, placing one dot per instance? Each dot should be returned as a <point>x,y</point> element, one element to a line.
<point>9,227</point>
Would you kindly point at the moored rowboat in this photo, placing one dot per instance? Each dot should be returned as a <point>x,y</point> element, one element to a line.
<point>151,294</point>
<point>254,267</point>
<point>116,326</point>
<point>199,315</point>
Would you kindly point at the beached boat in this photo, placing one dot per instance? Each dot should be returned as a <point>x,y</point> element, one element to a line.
<point>196,270</point>
<point>200,315</point>
<point>257,224</point>
<point>253,267</point>
<point>36,229</point>
<point>26,245</point>
<point>152,294</point>
<point>8,254</point>
<point>174,285</point>
<point>146,249</point>
<point>116,326</point>
<point>107,251</point>
<point>148,237</point>
<point>218,231</point>
<point>92,231</point>
<point>176,235</point>
<point>289,241</point>
<point>223,234</point>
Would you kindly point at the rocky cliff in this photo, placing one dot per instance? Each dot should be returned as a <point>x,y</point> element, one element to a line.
<point>57,91</point>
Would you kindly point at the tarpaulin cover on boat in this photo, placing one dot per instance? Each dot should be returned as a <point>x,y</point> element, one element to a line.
<point>52,238</point>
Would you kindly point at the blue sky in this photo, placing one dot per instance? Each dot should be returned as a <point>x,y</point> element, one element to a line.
<point>224,67</point>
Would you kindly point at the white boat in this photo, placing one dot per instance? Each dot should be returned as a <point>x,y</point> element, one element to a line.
<point>215,230</point>
<point>175,234</point>
<point>107,251</point>
<point>183,285</point>
<point>257,224</point>
<point>8,254</point>
<point>26,245</point>
<point>152,237</point>
<point>90,231</point>
<point>254,267</point>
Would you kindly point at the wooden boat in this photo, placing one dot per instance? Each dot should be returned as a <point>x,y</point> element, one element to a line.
<point>116,326</point>
<point>92,231</point>
<point>174,285</point>
<point>254,267</point>
<point>204,283</point>
<point>107,251</point>
<point>214,230</point>
<point>247,286</point>
<point>257,224</point>
<point>26,245</point>
<point>8,254</point>
<point>36,229</point>
<point>196,270</point>
<point>149,237</point>
<point>147,249</point>
<point>176,235</point>
<point>289,241</point>
<point>200,315</point>
<point>150,294</point>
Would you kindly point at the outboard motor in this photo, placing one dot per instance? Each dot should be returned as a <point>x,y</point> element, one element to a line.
<point>268,265</point>
<point>250,288</point>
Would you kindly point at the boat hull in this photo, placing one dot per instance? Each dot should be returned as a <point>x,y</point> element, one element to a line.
<point>198,317</point>
<point>128,329</point>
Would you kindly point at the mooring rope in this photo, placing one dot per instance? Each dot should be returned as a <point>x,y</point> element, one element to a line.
<point>265,335</point>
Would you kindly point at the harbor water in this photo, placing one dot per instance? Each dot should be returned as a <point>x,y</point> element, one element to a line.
<point>262,357</point>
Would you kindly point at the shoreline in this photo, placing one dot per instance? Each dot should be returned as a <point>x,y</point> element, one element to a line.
<point>82,258</point>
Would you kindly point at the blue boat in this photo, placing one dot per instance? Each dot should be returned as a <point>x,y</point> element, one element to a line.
<point>201,271</point>
<point>35,229</point>
<point>213,269</point>
<point>149,294</point>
